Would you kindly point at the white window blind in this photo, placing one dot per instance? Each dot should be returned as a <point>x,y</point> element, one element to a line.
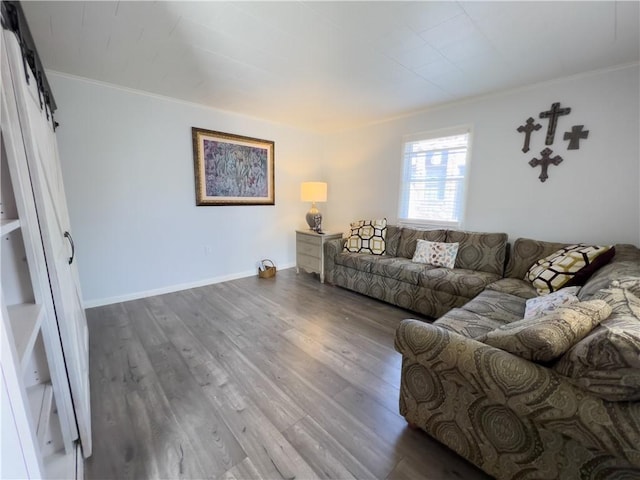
<point>433,180</point>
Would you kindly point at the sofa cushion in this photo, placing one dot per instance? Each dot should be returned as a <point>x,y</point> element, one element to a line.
<point>358,261</point>
<point>393,240</point>
<point>466,323</point>
<point>546,303</point>
<point>571,265</point>
<point>464,283</point>
<point>399,268</point>
<point>626,263</point>
<point>607,362</point>
<point>367,236</point>
<point>525,252</point>
<point>514,286</point>
<point>547,337</point>
<point>480,251</point>
<point>630,283</point>
<point>497,306</point>
<point>408,237</point>
<point>438,254</point>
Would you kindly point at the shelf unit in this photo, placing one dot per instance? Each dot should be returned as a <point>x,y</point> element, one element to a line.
<point>23,321</point>
<point>39,437</point>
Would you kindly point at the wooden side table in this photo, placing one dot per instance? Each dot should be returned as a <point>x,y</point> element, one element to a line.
<point>310,251</point>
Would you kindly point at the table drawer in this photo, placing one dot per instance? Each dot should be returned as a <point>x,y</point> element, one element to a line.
<point>308,263</point>
<point>309,249</point>
<point>309,240</point>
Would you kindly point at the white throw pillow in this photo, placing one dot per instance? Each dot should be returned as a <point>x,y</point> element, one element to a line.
<point>438,254</point>
<point>547,303</point>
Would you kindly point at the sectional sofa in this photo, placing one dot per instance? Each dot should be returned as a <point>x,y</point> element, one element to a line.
<point>565,405</point>
<point>425,289</point>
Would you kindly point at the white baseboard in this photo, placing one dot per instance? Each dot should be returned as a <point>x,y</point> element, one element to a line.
<point>174,288</point>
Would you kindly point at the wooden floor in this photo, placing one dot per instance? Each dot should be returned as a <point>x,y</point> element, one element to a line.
<point>254,378</point>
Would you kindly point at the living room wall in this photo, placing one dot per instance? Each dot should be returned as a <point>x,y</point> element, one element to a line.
<point>127,164</point>
<point>128,171</point>
<point>592,196</point>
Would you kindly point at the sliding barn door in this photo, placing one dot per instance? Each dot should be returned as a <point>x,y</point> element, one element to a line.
<point>46,178</point>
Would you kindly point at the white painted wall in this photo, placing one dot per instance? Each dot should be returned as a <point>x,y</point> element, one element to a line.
<point>593,196</point>
<point>128,170</point>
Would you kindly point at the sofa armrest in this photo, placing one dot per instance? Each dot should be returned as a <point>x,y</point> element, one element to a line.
<point>533,392</point>
<point>331,249</point>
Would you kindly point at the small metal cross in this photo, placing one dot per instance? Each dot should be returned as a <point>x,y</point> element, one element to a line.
<point>528,127</point>
<point>545,161</point>
<point>574,136</point>
<point>553,115</point>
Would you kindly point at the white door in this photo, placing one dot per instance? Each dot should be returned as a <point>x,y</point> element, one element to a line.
<point>53,217</point>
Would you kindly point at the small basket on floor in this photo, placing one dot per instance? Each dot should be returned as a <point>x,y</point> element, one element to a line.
<point>267,269</point>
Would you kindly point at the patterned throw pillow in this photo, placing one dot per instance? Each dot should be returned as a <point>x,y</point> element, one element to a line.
<point>547,337</point>
<point>367,236</point>
<point>571,265</point>
<point>438,254</point>
<point>547,303</point>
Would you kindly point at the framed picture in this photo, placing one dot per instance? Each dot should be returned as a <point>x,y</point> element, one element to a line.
<point>232,169</point>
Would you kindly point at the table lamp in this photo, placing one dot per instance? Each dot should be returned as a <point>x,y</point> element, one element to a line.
<point>314,192</point>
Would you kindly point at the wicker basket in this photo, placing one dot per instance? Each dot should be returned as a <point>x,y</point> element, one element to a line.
<point>268,269</point>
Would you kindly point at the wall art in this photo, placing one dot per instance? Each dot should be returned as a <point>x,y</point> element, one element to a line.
<point>576,134</point>
<point>232,169</point>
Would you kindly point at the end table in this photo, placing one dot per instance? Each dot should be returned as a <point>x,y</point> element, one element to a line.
<point>310,251</point>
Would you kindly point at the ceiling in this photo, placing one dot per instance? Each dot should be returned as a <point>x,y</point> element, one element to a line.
<point>326,66</point>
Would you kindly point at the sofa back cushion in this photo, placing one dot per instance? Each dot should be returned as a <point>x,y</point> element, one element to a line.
<point>625,264</point>
<point>393,240</point>
<point>606,363</point>
<point>525,253</point>
<point>409,237</point>
<point>484,252</point>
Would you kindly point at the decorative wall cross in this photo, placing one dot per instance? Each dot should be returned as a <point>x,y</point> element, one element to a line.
<point>553,115</point>
<point>528,127</point>
<point>574,136</point>
<point>545,161</point>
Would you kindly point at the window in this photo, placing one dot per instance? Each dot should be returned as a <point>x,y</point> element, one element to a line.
<point>433,179</point>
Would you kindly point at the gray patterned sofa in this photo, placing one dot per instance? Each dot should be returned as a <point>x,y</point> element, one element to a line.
<point>425,289</point>
<point>576,417</point>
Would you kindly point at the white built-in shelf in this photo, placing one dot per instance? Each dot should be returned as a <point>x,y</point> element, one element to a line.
<point>9,225</point>
<point>41,402</point>
<point>44,421</point>
<point>25,319</point>
<point>61,465</point>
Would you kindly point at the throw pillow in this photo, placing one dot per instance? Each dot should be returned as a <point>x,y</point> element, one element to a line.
<point>438,254</point>
<point>572,265</point>
<point>547,303</point>
<point>367,236</point>
<point>547,337</point>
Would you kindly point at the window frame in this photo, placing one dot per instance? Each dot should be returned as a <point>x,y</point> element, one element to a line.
<point>429,135</point>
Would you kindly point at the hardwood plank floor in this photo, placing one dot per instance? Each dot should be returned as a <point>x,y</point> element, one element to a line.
<point>280,378</point>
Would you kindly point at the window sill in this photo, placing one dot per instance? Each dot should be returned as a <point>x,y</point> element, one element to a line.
<point>428,224</point>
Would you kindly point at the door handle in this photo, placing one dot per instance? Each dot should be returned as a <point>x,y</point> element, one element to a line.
<point>68,236</point>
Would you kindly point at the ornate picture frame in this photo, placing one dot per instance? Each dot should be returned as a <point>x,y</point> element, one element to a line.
<point>232,169</point>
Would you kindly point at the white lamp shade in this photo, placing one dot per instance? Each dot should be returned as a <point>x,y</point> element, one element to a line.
<point>313,192</point>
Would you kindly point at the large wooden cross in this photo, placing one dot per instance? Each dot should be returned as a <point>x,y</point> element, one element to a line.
<point>553,115</point>
<point>528,127</point>
<point>574,136</point>
<point>545,161</point>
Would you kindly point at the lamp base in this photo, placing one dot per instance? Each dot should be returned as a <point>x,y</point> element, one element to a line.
<point>314,219</point>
